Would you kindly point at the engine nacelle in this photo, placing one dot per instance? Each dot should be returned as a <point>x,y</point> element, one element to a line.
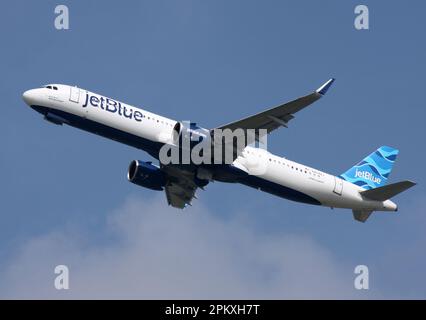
<point>145,174</point>
<point>187,134</point>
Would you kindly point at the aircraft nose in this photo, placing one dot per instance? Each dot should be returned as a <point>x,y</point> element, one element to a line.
<point>28,97</point>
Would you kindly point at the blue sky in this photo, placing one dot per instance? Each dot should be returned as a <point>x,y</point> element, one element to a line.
<point>212,62</point>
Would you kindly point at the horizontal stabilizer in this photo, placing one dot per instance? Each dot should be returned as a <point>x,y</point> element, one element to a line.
<point>388,191</point>
<point>361,215</point>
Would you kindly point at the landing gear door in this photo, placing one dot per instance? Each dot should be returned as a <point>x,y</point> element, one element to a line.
<point>74,94</point>
<point>338,186</point>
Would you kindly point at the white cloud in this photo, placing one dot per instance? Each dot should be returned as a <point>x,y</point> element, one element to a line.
<point>159,252</point>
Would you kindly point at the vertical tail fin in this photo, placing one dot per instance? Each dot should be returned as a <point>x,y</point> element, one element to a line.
<point>373,171</point>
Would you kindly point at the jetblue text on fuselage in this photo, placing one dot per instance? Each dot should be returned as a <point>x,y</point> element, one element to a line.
<point>112,106</point>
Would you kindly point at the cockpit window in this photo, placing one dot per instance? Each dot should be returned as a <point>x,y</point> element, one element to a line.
<point>55,88</point>
<point>49,87</point>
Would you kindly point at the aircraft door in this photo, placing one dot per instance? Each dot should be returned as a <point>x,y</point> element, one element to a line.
<point>74,94</point>
<point>338,186</point>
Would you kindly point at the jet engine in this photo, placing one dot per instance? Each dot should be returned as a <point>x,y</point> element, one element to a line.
<point>147,175</point>
<point>188,134</point>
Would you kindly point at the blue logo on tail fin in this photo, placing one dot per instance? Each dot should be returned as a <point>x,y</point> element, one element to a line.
<point>374,170</point>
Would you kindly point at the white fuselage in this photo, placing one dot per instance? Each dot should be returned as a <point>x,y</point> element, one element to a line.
<point>329,190</point>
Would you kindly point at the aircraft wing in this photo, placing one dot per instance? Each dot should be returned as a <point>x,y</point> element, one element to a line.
<point>274,118</point>
<point>180,188</point>
<point>268,120</point>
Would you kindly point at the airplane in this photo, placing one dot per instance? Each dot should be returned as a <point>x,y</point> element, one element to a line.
<point>363,188</point>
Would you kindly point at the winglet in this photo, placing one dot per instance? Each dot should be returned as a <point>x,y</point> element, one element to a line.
<point>324,88</point>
